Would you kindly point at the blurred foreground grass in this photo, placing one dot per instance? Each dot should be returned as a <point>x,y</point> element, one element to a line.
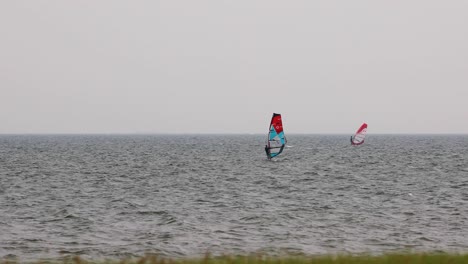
<point>403,258</point>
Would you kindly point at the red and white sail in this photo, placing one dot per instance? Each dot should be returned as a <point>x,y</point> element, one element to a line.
<point>360,135</point>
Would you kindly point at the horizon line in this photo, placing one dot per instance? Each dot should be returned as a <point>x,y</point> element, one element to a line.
<point>218,133</point>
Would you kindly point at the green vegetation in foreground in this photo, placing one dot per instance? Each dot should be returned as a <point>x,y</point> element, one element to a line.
<point>406,258</point>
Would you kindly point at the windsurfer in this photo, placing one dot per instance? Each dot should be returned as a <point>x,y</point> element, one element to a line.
<point>267,150</point>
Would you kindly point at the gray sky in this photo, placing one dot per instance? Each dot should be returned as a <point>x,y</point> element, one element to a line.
<point>224,66</point>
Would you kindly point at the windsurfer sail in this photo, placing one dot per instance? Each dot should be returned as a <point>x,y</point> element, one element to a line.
<point>276,139</point>
<point>358,138</point>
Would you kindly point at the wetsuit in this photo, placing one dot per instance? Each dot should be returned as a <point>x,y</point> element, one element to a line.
<point>267,150</point>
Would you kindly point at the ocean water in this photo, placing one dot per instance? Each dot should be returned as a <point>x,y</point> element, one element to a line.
<point>109,196</point>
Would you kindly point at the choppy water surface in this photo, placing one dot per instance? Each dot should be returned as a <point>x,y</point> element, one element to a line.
<point>119,196</point>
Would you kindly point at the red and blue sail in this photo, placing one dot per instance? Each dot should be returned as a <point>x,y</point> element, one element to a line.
<point>276,139</point>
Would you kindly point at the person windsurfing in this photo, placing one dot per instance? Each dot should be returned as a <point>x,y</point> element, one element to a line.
<point>267,150</point>
<point>358,138</point>
<point>276,139</point>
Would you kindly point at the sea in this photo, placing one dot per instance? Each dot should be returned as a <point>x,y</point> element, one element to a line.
<point>178,196</point>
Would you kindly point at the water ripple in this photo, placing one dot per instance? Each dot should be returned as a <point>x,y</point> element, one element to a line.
<point>125,196</point>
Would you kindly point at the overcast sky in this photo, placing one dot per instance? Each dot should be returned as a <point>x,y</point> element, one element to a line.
<point>224,66</point>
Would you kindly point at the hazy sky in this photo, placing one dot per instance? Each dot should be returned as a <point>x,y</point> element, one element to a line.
<point>219,66</point>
